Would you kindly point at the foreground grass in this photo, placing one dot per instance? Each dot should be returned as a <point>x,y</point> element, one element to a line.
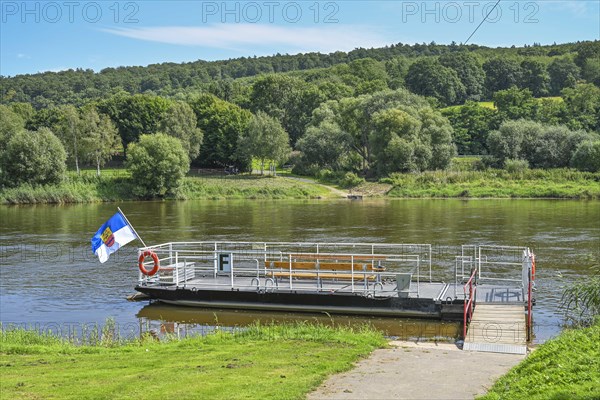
<point>567,367</point>
<point>274,362</point>
<point>554,183</point>
<point>109,188</point>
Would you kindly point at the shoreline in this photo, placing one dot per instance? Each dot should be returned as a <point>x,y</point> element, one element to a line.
<point>542,185</point>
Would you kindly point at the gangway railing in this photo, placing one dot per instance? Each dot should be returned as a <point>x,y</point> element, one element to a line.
<point>499,265</point>
<point>470,298</point>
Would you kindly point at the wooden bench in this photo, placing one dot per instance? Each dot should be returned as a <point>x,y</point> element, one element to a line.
<point>326,270</point>
<point>337,257</point>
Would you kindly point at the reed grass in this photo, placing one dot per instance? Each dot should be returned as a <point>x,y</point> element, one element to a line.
<point>494,183</point>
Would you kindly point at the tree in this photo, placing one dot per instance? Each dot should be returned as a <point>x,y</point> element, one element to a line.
<point>325,146</point>
<point>469,71</point>
<point>70,132</point>
<point>591,71</point>
<point>583,107</point>
<point>587,156</point>
<point>135,115</point>
<point>158,164</point>
<point>390,131</point>
<point>11,124</point>
<point>428,77</point>
<point>471,124</point>
<point>100,137</point>
<point>543,146</point>
<point>288,99</point>
<point>223,124</point>
<point>36,158</point>
<point>564,73</point>
<point>501,74</point>
<point>535,77</point>
<point>507,142</point>
<point>265,140</point>
<point>514,103</point>
<point>180,122</point>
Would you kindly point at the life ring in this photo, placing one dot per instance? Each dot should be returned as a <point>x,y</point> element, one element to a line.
<point>141,266</point>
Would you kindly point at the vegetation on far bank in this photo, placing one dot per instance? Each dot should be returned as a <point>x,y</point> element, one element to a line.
<point>566,367</point>
<point>495,183</point>
<point>116,185</point>
<point>269,362</point>
<point>119,187</point>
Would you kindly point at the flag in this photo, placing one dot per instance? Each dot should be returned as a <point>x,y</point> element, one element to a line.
<point>115,233</point>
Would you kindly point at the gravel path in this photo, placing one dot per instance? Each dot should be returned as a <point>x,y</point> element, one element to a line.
<point>409,370</point>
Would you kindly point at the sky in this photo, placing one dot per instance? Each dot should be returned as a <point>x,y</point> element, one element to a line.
<point>38,36</point>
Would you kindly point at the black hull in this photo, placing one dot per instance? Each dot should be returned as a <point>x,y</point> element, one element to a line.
<point>335,303</point>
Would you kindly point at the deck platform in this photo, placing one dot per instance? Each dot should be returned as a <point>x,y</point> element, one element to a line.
<point>497,328</point>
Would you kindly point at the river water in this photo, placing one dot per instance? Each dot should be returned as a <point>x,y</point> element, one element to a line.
<point>50,280</point>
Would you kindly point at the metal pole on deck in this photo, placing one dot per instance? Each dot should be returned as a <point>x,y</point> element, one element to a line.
<point>131,226</point>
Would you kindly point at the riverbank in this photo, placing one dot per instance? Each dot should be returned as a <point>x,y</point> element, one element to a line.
<point>535,183</point>
<point>550,184</point>
<point>270,362</point>
<point>566,367</point>
<point>91,189</point>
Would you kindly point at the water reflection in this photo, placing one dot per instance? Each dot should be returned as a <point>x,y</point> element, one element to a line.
<point>181,321</point>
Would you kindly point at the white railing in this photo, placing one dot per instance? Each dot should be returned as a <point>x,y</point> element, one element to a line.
<point>368,265</point>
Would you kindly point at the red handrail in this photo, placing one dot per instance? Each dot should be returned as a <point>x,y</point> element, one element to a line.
<point>529,299</point>
<point>468,305</point>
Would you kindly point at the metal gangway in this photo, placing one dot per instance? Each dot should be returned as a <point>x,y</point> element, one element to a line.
<point>497,285</point>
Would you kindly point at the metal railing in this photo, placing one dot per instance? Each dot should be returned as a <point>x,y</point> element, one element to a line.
<point>247,264</point>
<point>470,298</point>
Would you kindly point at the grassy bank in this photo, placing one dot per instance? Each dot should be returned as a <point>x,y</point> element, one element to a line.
<point>278,362</point>
<point>567,367</point>
<point>108,188</point>
<point>554,183</point>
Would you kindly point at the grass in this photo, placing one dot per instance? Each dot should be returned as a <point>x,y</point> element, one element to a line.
<point>88,188</point>
<point>250,187</point>
<point>487,104</point>
<point>459,181</point>
<point>567,367</point>
<point>554,183</point>
<point>267,362</point>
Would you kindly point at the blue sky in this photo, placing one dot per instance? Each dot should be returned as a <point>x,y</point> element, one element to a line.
<point>56,35</point>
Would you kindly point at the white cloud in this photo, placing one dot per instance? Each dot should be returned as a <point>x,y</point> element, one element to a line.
<point>22,55</point>
<point>239,36</point>
<point>579,8</point>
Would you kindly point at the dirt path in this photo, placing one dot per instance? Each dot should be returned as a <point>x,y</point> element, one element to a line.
<point>418,371</point>
<point>334,191</point>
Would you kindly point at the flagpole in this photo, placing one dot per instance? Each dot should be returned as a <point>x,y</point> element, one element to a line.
<point>131,226</point>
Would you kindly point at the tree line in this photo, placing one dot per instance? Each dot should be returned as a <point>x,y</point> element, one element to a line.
<point>368,116</point>
<point>464,71</point>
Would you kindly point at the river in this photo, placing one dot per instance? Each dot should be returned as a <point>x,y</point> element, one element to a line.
<point>50,279</point>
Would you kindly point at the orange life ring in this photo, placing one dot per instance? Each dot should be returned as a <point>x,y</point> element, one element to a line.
<point>141,266</point>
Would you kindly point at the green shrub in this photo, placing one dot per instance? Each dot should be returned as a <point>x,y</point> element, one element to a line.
<point>36,158</point>
<point>157,164</point>
<point>350,179</point>
<point>516,166</point>
<point>587,156</point>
